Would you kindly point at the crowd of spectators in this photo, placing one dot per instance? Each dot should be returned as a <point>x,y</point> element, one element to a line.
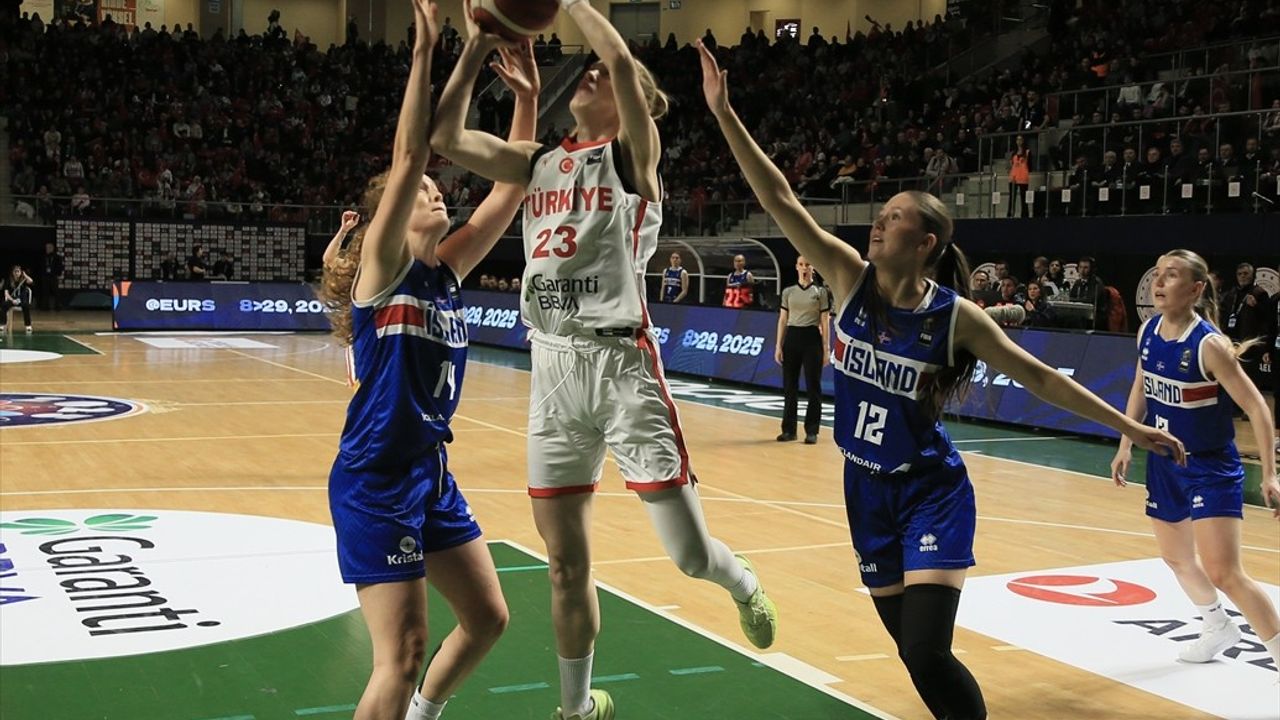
<point>871,110</point>
<point>500,284</point>
<point>240,126</point>
<point>253,124</point>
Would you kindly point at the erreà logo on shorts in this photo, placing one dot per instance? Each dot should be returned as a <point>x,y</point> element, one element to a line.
<point>82,584</point>
<point>409,552</point>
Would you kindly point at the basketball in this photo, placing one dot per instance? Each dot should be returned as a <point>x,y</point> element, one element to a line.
<point>514,20</point>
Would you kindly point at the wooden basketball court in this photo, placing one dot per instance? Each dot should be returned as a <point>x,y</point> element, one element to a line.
<point>253,431</point>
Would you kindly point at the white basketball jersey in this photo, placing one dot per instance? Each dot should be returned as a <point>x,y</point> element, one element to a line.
<point>588,237</point>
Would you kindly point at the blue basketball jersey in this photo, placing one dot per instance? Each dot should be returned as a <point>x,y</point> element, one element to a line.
<point>410,352</point>
<point>1180,396</point>
<point>738,279</point>
<point>883,376</point>
<point>671,283</point>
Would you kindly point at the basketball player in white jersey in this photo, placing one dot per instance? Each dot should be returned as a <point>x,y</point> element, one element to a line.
<point>591,221</point>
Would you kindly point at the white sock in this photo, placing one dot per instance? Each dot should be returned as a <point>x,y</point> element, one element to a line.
<point>575,685</point>
<point>1273,647</point>
<point>1213,614</point>
<point>421,708</point>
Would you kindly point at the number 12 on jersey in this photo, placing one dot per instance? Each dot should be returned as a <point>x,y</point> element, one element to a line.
<point>871,419</point>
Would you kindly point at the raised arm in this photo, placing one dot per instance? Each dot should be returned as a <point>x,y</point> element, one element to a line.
<point>492,157</point>
<point>978,334</point>
<point>467,246</point>
<point>638,133</point>
<point>385,252</point>
<point>350,219</point>
<point>842,265</point>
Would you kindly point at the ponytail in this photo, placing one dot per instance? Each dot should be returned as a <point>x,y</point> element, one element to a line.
<point>1207,304</point>
<point>950,269</point>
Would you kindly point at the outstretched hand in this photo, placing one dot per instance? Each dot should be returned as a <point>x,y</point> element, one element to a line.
<point>519,70</point>
<point>715,86</point>
<point>1159,441</point>
<point>427,32</point>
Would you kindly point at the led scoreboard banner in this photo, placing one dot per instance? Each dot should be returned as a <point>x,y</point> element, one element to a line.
<point>139,305</point>
<point>708,342</point>
<point>737,345</point>
<point>711,342</point>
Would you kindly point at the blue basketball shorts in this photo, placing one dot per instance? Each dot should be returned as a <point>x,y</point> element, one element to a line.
<point>922,521</point>
<point>1211,485</point>
<point>388,521</point>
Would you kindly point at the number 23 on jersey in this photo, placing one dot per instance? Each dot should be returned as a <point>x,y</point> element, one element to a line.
<point>562,241</point>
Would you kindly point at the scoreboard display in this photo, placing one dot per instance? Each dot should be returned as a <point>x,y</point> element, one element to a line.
<point>100,251</point>
<point>262,253</point>
<point>96,251</point>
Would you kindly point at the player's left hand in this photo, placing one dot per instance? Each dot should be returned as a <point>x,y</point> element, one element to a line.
<point>519,70</point>
<point>1271,495</point>
<point>715,85</point>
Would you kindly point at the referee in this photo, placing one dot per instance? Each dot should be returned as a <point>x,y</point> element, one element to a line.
<point>803,326</point>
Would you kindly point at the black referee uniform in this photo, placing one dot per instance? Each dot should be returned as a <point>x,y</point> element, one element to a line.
<point>806,310</point>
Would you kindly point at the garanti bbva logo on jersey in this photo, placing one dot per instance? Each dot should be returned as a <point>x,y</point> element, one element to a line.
<point>561,293</point>
<point>19,409</point>
<point>80,584</point>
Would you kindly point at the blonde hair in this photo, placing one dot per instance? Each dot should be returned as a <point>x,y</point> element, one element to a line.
<point>1206,306</point>
<point>654,97</point>
<point>340,274</point>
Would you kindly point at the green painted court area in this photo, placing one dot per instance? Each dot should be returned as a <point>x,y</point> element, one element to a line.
<point>655,668</point>
<point>45,342</point>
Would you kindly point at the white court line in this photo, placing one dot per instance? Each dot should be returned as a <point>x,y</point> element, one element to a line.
<point>193,333</point>
<point>84,344</point>
<point>862,658</point>
<point>805,678</point>
<point>69,359</point>
<point>776,504</point>
<point>193,438</point>
<point>762,551</point>
<point>167,404</point>
<point>779,506</point>
<point>1015,439</point>
<point>173,381</point>
<point>491,426</point>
